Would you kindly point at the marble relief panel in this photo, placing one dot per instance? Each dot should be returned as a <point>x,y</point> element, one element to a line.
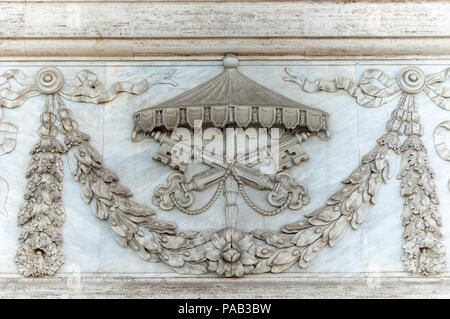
<point>89,246</point>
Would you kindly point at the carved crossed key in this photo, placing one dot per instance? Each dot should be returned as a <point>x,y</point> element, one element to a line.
<point>232,100</point>
<point>284,191</point>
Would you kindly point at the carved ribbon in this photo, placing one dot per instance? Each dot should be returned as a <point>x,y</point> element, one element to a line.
<point>12,98</point>
<point>85,87</point>
<point>440,96</point>
<point>8,131</point>
<point>367,92</point>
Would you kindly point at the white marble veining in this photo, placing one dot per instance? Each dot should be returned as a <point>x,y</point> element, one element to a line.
<point>89,246</point>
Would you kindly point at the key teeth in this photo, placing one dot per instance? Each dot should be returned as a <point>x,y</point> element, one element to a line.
<point>300,158</point>
<point>163,158</point>
<point>179,166</point>
<point>166,159</point>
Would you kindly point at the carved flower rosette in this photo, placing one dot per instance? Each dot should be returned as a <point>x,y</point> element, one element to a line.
<point>231,253</point>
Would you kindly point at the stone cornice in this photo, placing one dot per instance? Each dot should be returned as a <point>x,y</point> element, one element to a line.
<point>111,30</point>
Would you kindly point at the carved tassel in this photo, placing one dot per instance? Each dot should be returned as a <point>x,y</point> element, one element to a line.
<point>42,214</point>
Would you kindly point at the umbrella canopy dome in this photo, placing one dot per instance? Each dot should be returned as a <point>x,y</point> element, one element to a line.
<point>229,99</point>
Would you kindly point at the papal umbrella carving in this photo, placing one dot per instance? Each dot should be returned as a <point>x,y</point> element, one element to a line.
<point>231,100</point>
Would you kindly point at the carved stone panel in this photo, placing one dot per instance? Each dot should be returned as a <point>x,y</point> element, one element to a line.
<point>358,185</point>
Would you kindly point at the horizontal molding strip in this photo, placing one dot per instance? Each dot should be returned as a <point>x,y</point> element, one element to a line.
<point>193,288</point>
<point>213,49</point>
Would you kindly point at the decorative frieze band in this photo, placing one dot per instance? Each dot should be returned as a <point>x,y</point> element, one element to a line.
<point>230,251</point>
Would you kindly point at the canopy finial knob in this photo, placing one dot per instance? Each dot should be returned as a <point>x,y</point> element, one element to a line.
<point>230,61</point>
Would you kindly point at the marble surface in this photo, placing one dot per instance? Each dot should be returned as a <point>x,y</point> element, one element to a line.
<point>89,247</point>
